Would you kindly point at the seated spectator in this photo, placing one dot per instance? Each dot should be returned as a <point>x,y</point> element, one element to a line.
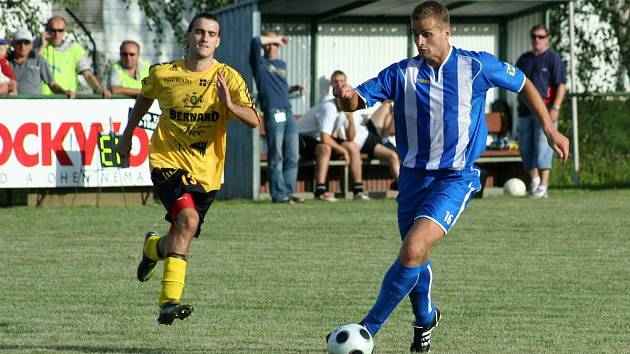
<point>4,84</point>
<point>6,70</point>
<point>325,133</point>
<point>125,77</point>
<point>67,60</point>
<point>373,138</point>
<point>31,68</point>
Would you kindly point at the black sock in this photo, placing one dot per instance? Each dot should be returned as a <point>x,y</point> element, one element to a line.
<point>320,189</point>
<point>357,188</point>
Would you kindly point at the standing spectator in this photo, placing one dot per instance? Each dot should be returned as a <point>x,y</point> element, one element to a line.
<point>7,76</point>
<point>67,59</point>
<point>439,98</point>
<point>126,74</point>
<point>270,73</point>
<point>187,150</point>
<point>31,68</point>
<point>544,67</point>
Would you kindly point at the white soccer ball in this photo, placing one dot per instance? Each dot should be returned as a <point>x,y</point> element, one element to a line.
<point>515,187</point>
<point>350,339</point>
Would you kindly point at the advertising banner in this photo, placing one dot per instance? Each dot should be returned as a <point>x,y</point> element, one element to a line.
<point>48,143</point>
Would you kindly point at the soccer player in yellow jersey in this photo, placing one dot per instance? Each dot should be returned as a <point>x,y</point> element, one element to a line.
<point>197,96</point>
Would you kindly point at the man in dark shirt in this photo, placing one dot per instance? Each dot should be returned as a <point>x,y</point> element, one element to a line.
<point>545,69</point>
<point>281,131</point>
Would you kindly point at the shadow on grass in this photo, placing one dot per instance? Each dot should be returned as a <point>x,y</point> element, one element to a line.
<point>97,349</point>
<point>597,187</point>
<point>79,349</point>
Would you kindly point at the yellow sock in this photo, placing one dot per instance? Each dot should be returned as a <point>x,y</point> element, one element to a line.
<point>173,280</point>
<point>150,248</point>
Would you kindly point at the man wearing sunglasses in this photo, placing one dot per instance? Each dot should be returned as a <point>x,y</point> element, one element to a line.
<point>126,75</point>
<point>31,69</point>
<point>545,69</point>
<point>67,59</point>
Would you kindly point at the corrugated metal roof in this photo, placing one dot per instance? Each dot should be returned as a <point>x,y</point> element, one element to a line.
<point>328,9</point>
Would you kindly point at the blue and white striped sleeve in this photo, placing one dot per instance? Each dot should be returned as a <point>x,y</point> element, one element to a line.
<point>502,74</point>
<point>380,88</point>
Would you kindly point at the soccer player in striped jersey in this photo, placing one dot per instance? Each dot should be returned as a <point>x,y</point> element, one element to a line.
<point>197,96</point>
<point>439,115</point>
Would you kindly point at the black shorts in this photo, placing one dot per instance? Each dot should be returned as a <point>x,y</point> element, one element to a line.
<point>169,184</point>
<point>308,144</point>
<point>372,140</point>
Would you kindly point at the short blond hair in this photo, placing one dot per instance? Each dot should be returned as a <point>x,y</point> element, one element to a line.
<point>434,10</point>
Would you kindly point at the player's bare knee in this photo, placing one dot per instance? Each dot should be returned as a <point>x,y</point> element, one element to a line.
<point>187,222</point>
<point>412,256</point>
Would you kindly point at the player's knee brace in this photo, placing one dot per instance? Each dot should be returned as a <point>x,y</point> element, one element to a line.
<point>186,201</point>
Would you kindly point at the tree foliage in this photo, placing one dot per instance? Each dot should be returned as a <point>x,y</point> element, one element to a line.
<point>602,40</point>
<point>175,13</point>
<point>30,14</point>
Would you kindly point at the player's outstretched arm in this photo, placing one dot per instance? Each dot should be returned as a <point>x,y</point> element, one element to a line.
<point>245,114</point>
<point>140,108</point>
<point>556,140</point>
<point>348,98</point>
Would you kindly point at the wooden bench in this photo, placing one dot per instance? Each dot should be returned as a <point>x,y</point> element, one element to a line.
<point>338,173</point>
<point>500,165</point>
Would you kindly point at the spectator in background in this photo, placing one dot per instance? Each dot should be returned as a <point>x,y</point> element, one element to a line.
<point>327,133</point>
<point>126,74</point>
<point>67,59</point>
<point>6,71</point>
<point>377,131</point>
<point>270,73</point>
<point>31,68</point>
<point>545,69</point>
<point>4,84</point>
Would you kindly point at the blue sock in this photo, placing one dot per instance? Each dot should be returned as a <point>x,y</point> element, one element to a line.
<point>397,283</point>
<point>420,296</point>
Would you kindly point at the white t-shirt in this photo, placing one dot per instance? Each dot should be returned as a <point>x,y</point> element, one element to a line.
<point>325,118</point>
<point>4,79</point>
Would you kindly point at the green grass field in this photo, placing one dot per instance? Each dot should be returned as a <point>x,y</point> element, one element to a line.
<point>514,276</point>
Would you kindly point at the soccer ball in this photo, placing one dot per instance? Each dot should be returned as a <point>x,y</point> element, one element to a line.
<point>514,187</point>
<point>350,339</point>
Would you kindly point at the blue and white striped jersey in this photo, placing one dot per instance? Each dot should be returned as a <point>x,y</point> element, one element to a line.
<point>440,114</point>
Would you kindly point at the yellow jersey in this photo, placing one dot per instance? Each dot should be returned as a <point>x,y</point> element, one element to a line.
<point>191,133</point>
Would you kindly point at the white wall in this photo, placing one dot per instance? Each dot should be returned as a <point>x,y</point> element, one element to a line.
<point>120,23</point>
<point>359,50</point>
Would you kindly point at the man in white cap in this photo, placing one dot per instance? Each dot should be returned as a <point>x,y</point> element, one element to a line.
<point>31,68</point>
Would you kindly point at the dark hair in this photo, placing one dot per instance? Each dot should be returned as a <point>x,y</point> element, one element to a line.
<point>431,9</point>
<point>207,16</point>
<point>337,72</point>
<point>539,27</point>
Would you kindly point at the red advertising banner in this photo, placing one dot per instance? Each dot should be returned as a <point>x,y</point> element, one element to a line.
<point>66,143</point>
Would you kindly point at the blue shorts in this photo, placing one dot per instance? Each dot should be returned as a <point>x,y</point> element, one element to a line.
<point>440,196</point>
